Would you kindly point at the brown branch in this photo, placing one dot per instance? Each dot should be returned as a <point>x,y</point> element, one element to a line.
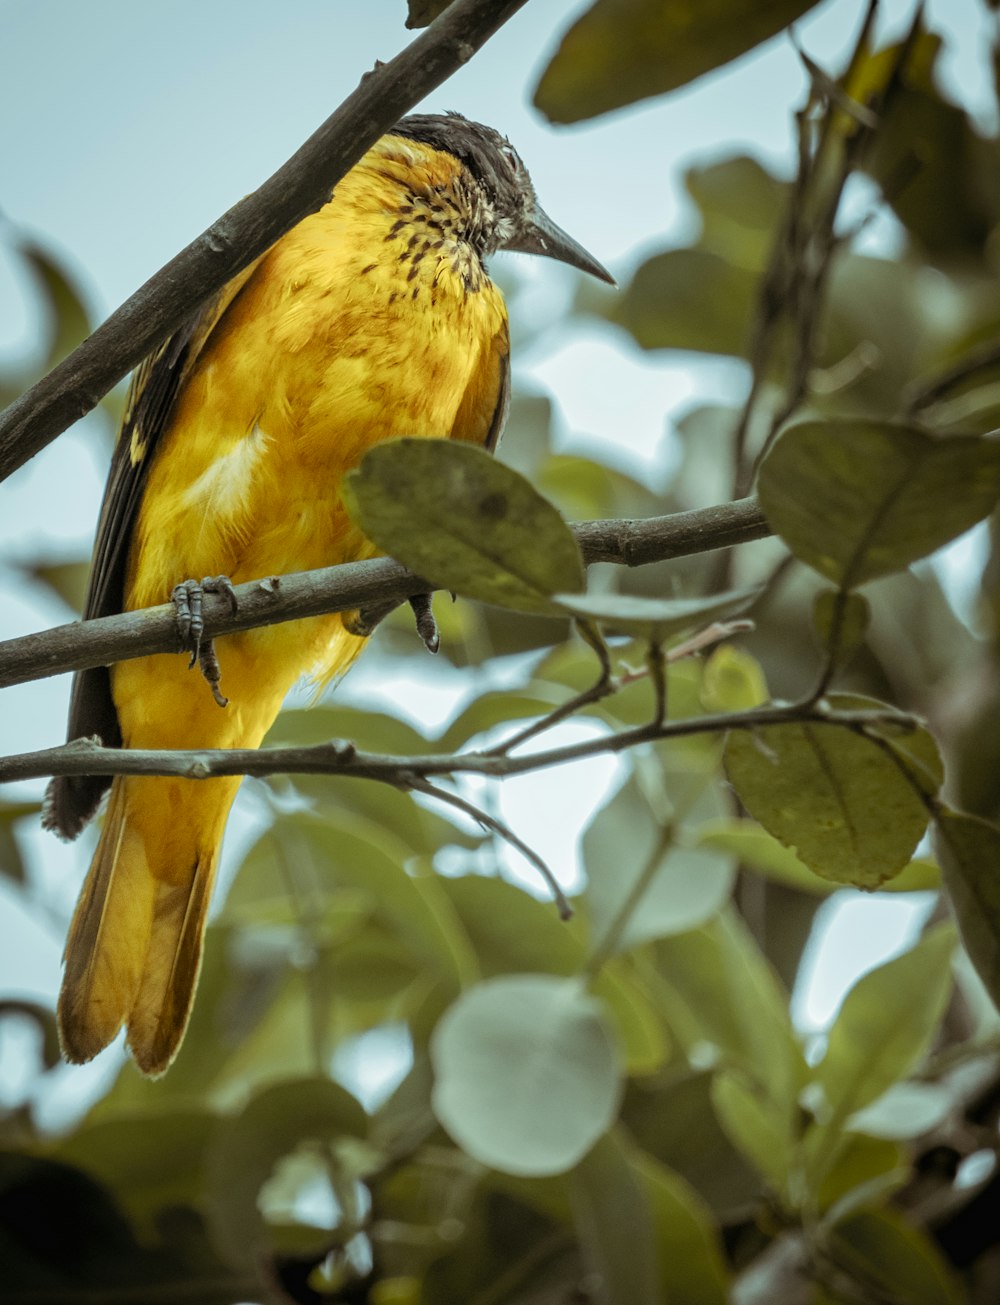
<point>299,187</point>
<point>342,588</point>
<point>339,757</point>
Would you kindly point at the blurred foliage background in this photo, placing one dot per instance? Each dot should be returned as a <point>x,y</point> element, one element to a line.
<point>618,1109</point>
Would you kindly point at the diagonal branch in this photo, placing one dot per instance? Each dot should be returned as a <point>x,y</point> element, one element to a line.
<point>356,584</point>
<point>299,187</point>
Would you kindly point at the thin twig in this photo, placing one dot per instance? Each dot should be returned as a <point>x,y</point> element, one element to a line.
<point>420,785</point>
<point>87,757</point>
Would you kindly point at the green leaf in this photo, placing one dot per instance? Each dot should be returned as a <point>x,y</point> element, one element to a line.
<point>465,522</point>
<point>656,620</point>
<point>151,1161</point>
<point>886,1024</point>
<point>621,51</point>
<point>527,1077</point>
<point>689,299</point>
<point>719,990</point>
<point>904,1110</point>
<point>759,851</point>
<point>68,580</point>
<point>900,1259</point>
<point>757,1127</point>
<point>692,1269</point>
<point>688,886</point>
<point>11,861</point>
<point>969,851</point>
<point>841,621</point>
<point>857,500</point>
<point>44,1021</point>
<point>733,680</point>
<point>248,1146</point>
<point>614,1226</point>
<point>850,806</point>
<point>69,323</point>
<point>513,932</point>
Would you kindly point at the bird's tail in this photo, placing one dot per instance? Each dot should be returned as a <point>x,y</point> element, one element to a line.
<point>134,947</point>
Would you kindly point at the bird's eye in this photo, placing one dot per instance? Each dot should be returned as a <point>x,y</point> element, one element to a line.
<point>510,156</point>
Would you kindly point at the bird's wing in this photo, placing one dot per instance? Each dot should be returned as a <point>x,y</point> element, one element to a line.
<point>155,385</point>
<point>501,411</point>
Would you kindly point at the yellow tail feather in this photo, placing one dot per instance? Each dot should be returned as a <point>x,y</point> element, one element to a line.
<point>107,940</point>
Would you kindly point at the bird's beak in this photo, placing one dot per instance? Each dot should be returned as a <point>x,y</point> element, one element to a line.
<point>542,236</point>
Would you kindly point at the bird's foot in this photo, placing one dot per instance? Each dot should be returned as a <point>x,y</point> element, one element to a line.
<point>188,598</point>
<point>363,622</point>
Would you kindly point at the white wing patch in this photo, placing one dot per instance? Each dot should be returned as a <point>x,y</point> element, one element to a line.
<point>223,488</point>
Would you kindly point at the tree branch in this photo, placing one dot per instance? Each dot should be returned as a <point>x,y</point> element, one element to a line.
<point>340,757</point>
<point>80,645</point>
<point>299,187</point>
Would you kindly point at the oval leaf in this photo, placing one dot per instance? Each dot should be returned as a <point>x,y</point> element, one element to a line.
<point>654,619</point>
<point>464,521</point>
<point>527,1077</point>
<point>969,851</point>
<point>861,499</point>
<point>621,51</point>
<point>848,805</point>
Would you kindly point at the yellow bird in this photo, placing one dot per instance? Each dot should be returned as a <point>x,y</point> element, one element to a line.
<point>374,317</point>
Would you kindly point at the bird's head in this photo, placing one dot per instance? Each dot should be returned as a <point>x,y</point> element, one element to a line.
<point>504,210</point>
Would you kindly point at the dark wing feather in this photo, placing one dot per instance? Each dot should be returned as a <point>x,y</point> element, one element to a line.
<point>502,410</point>
<point>72,800</point>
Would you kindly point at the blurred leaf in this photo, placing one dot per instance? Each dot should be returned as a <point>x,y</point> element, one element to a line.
<point>758,1127</point>
<point>68,580</point>
<point>688,886</point>
<point>740,204</point>
<point>886,1024</point>
<point>370,731</point>
<point>657,620</point>
<point>69,319</point>
<point>456,516</point>
<point>513,932</point>
<point>689,299</point>
<point>488,710</point>
<point>11,862</point>
<point>150,1161</point>
<point>692,1269</point>
<point>733,680</point>
<point>583,489</point>
<point>901,1260</point>
<point>904,1110</point>
<point>864,1172</point>
<point>247,1147</point>
<point>43,1019</point>
<point>756,849</point>
<point>320,856</point>
<point>673,1120</point>
<point>857,499</point>
<point>621,51</point>
<point>851,808</point>
<point>526,1075</point>
<point>969,851</point>
<point>925,148</point>
<point>719,991</point>
<point>841,622</point>
<point>614,1225</point>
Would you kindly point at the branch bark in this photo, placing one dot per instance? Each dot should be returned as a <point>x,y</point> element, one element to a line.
<point>270,600</point>
<point>299,187</point>
<point>340,757</point>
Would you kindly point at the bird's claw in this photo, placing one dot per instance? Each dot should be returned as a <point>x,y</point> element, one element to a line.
<point>423,615</point>
<point>188,601</point>
<point>364,621</point>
